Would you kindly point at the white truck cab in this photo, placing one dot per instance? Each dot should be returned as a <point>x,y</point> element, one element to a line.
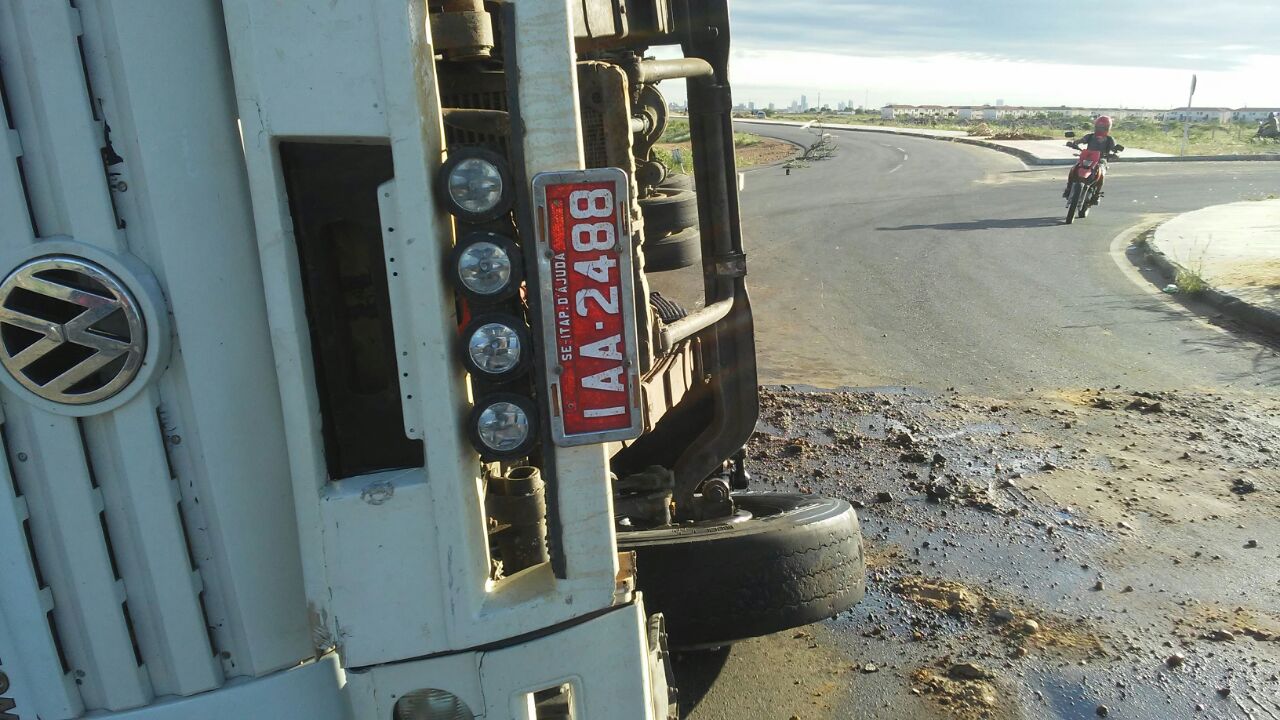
<point>336,380</point>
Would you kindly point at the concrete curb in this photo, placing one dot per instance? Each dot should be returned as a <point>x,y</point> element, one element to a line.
<point>1023,155</point>
<point>1260,318</point>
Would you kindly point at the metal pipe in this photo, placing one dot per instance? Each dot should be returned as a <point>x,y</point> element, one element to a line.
<point>652,71</point>
<point>692,324</point>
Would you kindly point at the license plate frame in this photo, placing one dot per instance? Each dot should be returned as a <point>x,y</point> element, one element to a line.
<point>588,324</point>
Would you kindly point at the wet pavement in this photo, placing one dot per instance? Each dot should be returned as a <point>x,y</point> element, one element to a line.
<point>1045,555</point>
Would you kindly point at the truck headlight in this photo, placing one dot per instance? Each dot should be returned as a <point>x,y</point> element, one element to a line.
<point>502,426</point>
<point>486,267</point>
<point>475,184</point>
<point>496,347</point>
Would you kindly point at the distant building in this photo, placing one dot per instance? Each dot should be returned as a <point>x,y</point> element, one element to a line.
<point>1007,112</point>
<point>1252,114</point>
<point>804,103</point>
<point>1199,114</point>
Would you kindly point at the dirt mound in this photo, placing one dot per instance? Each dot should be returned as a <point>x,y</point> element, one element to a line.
<point>967,694</point>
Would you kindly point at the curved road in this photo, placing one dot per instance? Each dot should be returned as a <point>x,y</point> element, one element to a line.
<point>912,262</point>
<point>909,261</point>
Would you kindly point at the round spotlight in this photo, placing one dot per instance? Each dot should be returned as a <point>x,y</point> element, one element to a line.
<point>486,267</point>
<point>475,185</point>
<point>502,426</point>
<point>496,346</point>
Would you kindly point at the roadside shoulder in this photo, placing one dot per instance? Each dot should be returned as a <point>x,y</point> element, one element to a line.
<point>1226,255</point>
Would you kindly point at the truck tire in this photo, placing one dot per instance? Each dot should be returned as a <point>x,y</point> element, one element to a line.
<point>677,181</point>
<point>668,210</point>
<point>673,252</point>
<point>792,560</point>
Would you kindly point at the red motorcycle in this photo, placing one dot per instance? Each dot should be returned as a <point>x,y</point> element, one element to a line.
<point>1086,179</point>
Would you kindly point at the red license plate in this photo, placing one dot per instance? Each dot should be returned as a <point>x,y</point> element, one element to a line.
<point>588,305</point>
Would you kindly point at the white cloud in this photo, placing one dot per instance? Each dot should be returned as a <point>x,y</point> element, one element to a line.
<point>778,76</point>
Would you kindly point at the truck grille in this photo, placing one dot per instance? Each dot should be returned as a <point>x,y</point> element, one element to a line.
<point>147,551</point>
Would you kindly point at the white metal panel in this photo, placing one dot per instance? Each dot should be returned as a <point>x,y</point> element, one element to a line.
<point>312,88</point>
<point>604,659</point>
<point>65,522</point>
<point>146,531</point>
<point>311,691</point>
<point>15,222</point>
<point>609,679</point>
<point>383,595</point>
<point>52,113</point>
<point>286,311</point>
<point>548,82</point>
<point>440,513</point>
<point>189,217</point>
<point>27,646</point>
<point>436,383</point>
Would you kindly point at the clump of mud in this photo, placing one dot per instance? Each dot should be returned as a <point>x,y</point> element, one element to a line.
<point>950,597</point>
<point>965,689</point>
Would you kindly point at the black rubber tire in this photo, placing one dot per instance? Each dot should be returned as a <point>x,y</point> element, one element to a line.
<point>673,252</point>
<point>797,561</point>
<point>678,181</point>
<point>668,210</point>
<point>1073,203</point>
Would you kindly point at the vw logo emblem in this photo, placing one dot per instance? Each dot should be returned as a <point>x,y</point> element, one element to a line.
<point>70,331</point>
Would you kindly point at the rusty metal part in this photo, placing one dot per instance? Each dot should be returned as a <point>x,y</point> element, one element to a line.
<point>715,500</point>
<point>644,498</point>
<point>652,71</point>
<point>518,500</point>
<point>484,122</point>
<point>649,509</point>
<point>607,141</point>
<point>464,31</point>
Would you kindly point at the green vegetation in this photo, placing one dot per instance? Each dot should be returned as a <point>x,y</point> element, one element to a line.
<point>676,137</point>
<point>1190,281</point>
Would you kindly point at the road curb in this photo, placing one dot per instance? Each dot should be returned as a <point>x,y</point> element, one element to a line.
<point>1023,155</point>
<point>1259,318</point>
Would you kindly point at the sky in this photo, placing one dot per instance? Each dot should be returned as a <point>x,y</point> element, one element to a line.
<point>1126,53</point>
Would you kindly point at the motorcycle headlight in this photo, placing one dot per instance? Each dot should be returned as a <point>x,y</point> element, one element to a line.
<point>475,185</point>
<point>502,426</point>
<point>486,267</point>
<point>496,347</point>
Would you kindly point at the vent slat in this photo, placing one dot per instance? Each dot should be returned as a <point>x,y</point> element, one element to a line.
<point>51,110</point>
<point>74,557</point>
<point>25,606</point>
<point>15,221</point>
<point>129,461</point>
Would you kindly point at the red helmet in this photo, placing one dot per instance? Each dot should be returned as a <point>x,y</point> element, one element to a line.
<point>1102,126</point>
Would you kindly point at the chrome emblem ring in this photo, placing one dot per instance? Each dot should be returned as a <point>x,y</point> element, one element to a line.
<point>70,331</point>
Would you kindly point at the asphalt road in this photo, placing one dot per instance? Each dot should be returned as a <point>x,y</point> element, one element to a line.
<point>914,263</point>
<point>906,261</point>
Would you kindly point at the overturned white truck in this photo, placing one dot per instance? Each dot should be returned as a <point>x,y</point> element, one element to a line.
<point>336,382</point>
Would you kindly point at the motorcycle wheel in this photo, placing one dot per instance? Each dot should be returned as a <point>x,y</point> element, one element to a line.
<point>1073,203</point>
<point>1086,203</point>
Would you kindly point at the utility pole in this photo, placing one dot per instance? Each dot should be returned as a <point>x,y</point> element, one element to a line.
<point>1186,117</point>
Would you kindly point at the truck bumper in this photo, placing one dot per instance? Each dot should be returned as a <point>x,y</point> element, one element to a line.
<point>313,690</point>
<point>604,661</point>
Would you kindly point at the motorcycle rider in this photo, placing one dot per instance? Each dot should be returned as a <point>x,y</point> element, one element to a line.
<point>1099,140</point>
<point>1271,126</point>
